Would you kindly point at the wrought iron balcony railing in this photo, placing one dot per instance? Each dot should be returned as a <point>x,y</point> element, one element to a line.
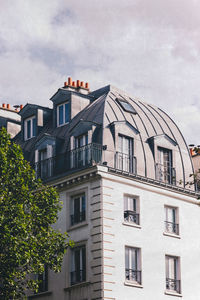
<point>125,162</point>
<point>78,276</point>
<point>74,159</point>
<point>172,227</point>
<point>131,216</point>
<point>133,275</point>
<point>166,173</point>
<point>173,285</point>
<point>77,218</point>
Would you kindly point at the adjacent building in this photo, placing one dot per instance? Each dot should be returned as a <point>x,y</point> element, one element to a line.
<point>121,167</point>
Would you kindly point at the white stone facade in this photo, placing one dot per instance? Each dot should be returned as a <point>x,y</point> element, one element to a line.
<point>105,234</point>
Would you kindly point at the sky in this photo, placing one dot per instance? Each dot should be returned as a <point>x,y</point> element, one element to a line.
<point>148,48</point>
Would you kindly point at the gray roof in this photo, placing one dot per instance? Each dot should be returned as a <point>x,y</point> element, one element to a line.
<point>151,124</point>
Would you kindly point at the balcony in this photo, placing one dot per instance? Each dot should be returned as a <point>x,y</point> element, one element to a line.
<point>78,276</point>
<point>172,227</point>
<point>75,159</point>
<point>77,218</point>
<point>173,285</point>
<point>165,173</point>
<point>131,217</point>
<point>125,162</point>
<point>133,275</point>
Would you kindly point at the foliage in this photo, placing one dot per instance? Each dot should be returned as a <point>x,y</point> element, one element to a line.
<point>27,211</point>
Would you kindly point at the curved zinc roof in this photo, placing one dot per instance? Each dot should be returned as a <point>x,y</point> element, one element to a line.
<point>154,129</point>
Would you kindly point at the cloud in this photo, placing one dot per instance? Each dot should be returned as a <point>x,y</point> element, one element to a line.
<point>150,48</point>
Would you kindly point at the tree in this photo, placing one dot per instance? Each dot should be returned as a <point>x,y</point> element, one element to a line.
<point>28,209</point>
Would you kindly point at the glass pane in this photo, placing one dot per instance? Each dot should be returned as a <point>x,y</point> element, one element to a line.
<point>60,109</point>
<point>66,112</point>
<point>127,258</point>
<point>34,126</point>
<point>28,129</point>
<point>133,259</point>
<point>83,203</point>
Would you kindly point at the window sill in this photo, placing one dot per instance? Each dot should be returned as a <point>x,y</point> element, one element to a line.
<point>171,293</point>
<point>78,225</point>
<point>131,224</point>
<point>133,283</point>
<point>80,284</point>
<point>62,124</point>
<point>176,236</point>
<point>38,295</point>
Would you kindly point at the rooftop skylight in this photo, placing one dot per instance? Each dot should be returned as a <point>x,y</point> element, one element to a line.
<point>126,105</point>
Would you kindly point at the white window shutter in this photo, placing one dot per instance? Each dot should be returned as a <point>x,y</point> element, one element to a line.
<point>49,151</point>
<point>36,156</point>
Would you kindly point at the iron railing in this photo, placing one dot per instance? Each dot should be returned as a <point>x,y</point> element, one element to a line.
<point>125,162</point>
<point>165,173</point>
<point>172,227</point>
<point>173,285</point>
<point>131,216</point>
<point>75,159</point>
<point>77,218</point>
<point>133,275</point>
<point>78,276</point>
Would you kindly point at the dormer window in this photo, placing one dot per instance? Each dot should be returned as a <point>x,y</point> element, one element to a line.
<point>62,114</point>
<point>30,128</point>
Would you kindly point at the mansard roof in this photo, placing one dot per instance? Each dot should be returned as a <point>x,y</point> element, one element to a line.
<point>149,122</point>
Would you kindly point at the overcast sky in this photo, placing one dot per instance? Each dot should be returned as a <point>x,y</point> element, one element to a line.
<point>149,48</point>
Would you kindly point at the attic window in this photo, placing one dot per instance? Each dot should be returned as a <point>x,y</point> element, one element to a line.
<point>63,114</point>
<point>29,128</point>
<point>126,105</point>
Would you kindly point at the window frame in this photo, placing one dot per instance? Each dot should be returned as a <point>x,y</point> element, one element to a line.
<point>126,106</point>
<point>131,216</point>
<point>124,157</point>
<point>174,282</point>
<point>81,263</point>
<point>33,127</point>
<point>44,280</point>
<point>63,114</point>
<point>171,224</point>
<point>72,212</point>
<point>129,272</point>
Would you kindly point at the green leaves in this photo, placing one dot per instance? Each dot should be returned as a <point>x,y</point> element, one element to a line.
<point>27,211</point>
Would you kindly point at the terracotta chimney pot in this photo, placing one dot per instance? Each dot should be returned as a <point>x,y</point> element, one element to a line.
<point>65,83</point>
<point>69,81</point>
<point>78,83</point>
<point>82,84</point>
<point>21,106</point>
<point>87,85</point>
<point>73,84</point>
<point>8,106</point>
<point>4,105</point>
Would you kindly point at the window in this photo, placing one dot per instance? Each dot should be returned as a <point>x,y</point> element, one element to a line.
<point>126,105</point>
<point>62,114</point>
<point>78,204</point>
<point>44,162</point>
<point>131,209</point>
<point>29,128</point>
<point>172,274</point>
<point>132,265</point>
<point>164,169</point>
<point>171,220</point>
<point>43,280</point>
<point>78,265</point>
<point>81,153</point>
<point>124,157</point>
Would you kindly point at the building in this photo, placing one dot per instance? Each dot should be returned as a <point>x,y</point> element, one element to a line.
<point>121,167</point>
<point>10,119</point>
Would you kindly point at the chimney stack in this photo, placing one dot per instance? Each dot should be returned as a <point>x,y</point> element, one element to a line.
<point>77,85</point>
